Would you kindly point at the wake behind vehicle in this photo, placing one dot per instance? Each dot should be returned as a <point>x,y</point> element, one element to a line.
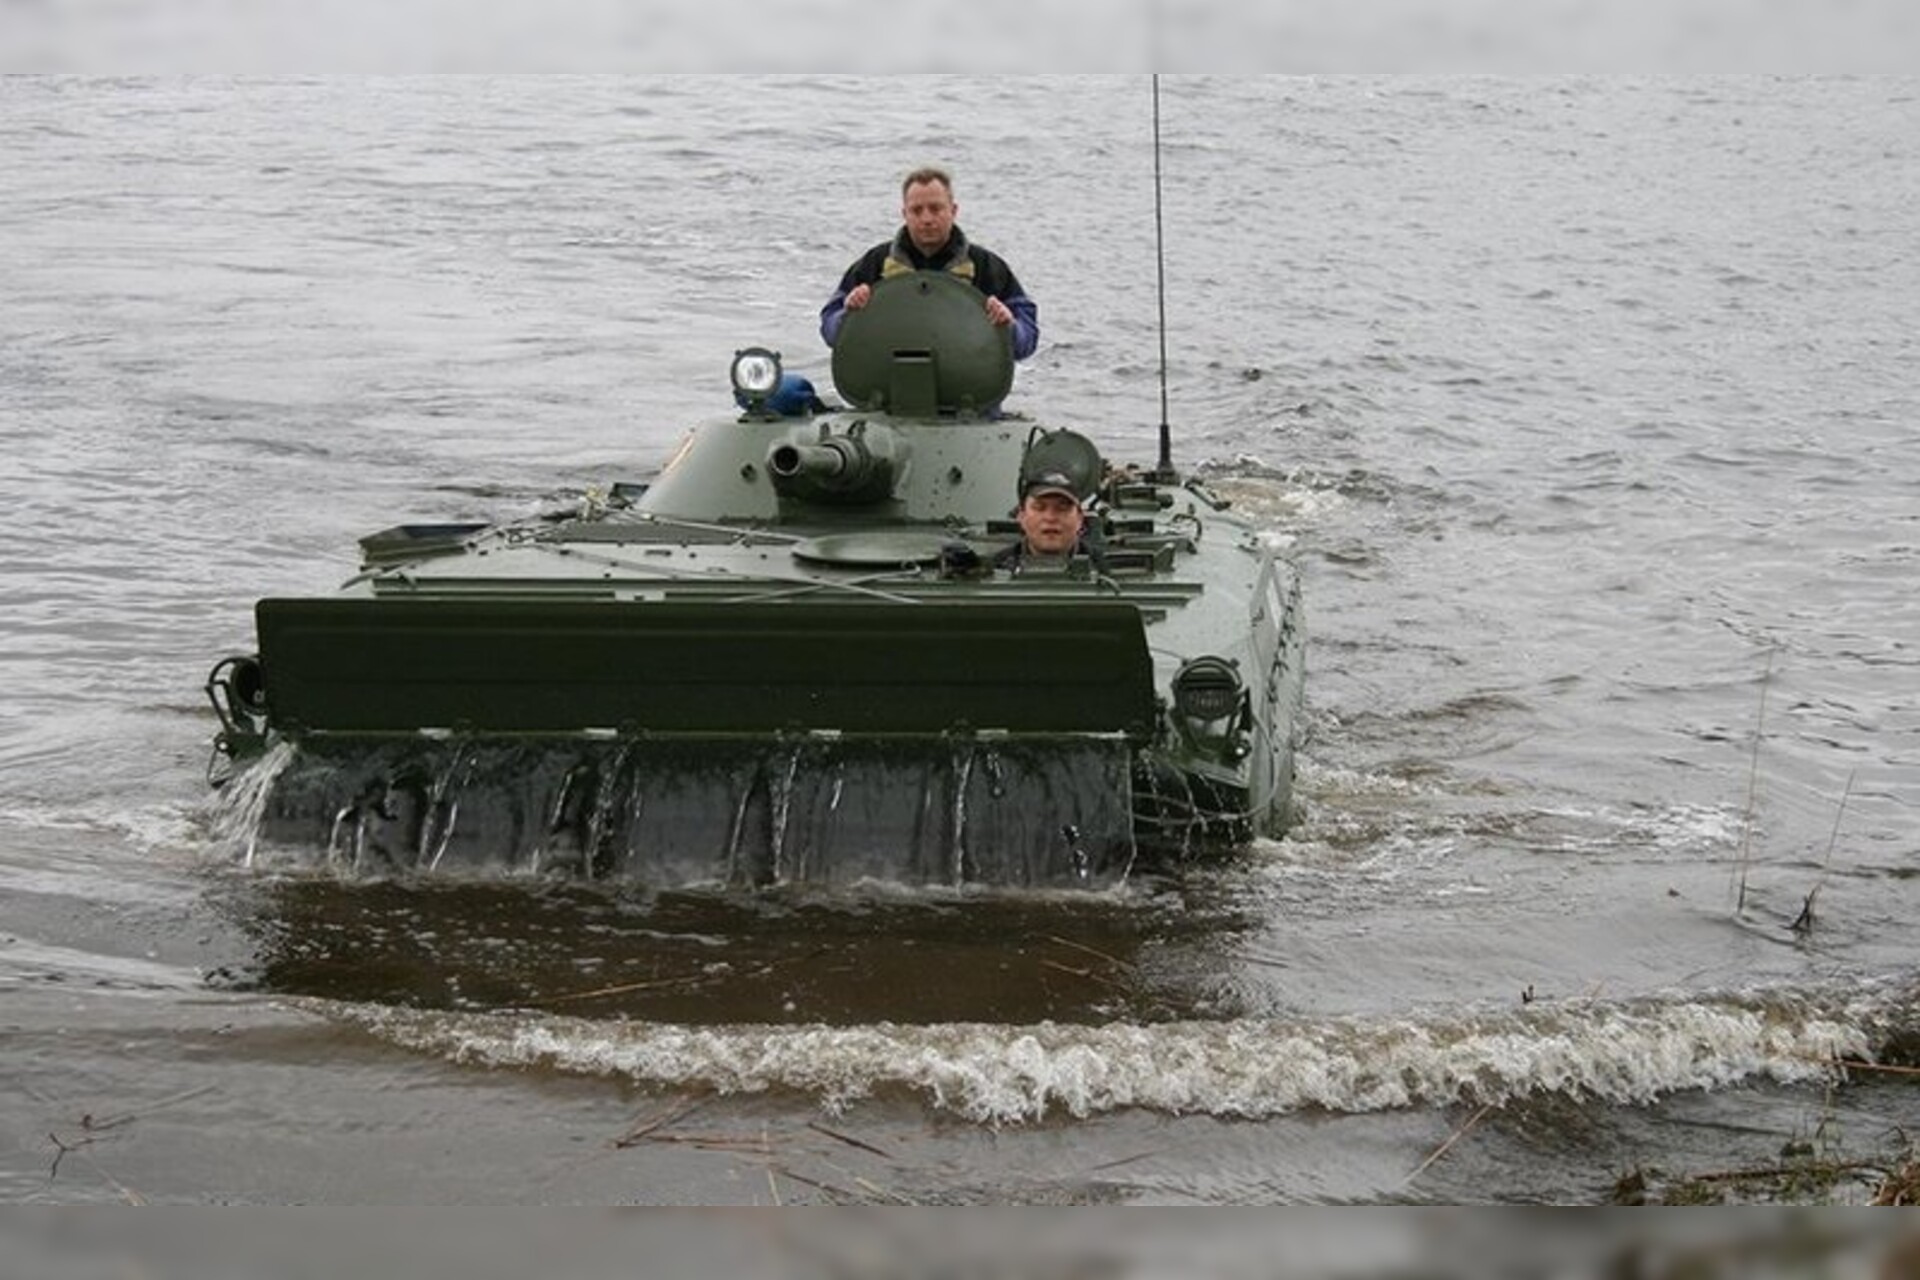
<point>792,657</point>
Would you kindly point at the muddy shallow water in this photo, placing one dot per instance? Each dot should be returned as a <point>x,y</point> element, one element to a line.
<point>1583,405</point>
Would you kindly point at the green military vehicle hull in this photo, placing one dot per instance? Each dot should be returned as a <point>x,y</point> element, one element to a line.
<point>789,657</point>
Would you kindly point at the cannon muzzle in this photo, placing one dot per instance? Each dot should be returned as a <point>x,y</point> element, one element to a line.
<point>823,462</point>
<point>854,466</point>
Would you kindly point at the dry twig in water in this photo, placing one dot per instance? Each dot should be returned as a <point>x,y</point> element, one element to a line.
<point>63,1149</point>
<point>1855,1064</point>
<point>1115,961</point>
<point>1447,1146</point>
<point>849,1140</point>
<point>1753,786</point>
<point>94,1126</point>
<point>643,1129</point>
<point>1803,923</point>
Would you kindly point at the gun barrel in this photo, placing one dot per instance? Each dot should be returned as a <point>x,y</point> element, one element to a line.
<point>828,462</point>
<point>851,468</point>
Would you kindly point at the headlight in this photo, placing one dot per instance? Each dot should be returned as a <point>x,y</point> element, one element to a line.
<point>237,687</point>
<point>1207,689</point>
<point>756,376</point>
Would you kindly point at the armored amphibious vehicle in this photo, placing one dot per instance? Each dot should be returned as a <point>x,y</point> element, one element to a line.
<point>792,655</point>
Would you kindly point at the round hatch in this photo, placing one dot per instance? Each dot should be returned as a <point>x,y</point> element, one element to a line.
<point>877,547</point>
<point>923,326</point>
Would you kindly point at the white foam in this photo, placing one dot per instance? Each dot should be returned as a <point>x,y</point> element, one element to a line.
<point>1249,1068</point>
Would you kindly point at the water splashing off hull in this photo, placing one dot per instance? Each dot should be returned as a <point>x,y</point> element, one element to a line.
<point>1027,812</point>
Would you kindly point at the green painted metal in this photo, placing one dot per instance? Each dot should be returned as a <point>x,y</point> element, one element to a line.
<point>922,346</point>
<point>374,666</point>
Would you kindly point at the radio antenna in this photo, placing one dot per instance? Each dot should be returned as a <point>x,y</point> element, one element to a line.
<point>1164,472</point>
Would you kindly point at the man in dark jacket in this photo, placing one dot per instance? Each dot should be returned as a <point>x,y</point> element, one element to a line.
<point>928,240</point>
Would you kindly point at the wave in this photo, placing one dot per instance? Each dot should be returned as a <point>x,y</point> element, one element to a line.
<point>1249,1069</point>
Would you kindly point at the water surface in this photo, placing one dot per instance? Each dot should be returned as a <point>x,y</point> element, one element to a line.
<point>1585,406</point>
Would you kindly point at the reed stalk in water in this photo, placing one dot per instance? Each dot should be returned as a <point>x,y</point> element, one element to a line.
<point>1753,786</point>
<point>1803,923</point>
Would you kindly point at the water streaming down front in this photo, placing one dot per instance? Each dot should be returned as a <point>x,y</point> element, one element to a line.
<point>796,656</point>
<point>817,810</point>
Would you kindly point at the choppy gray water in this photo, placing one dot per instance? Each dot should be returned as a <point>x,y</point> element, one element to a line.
<point>1587,407</point>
